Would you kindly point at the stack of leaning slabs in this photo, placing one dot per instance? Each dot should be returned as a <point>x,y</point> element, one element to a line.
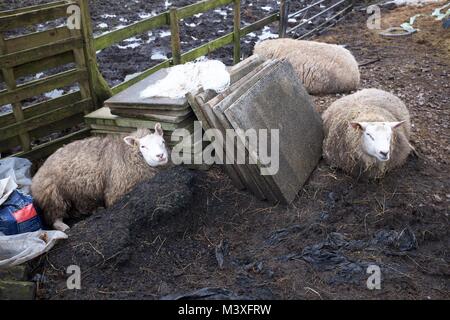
<point>126,111</point>
<point>266,97</point>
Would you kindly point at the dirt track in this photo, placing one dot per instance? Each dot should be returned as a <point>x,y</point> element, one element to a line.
<point>320,246</point>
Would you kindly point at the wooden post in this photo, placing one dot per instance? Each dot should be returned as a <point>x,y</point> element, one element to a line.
<point>237,32</point>
<point>284,17</point>
<point>10,80</point>
<point>99,87</point>
<point>175,36</point>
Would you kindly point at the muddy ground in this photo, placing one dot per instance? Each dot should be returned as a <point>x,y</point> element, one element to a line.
<point>207,234</point>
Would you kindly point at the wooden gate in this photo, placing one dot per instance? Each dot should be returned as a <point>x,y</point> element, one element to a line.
<point>27,130</point>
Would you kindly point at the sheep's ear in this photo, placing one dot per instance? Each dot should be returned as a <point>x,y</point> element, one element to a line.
<point>130,140</point>
<point>158,130</point>
<point>357,125</point>
<point>396,124</point>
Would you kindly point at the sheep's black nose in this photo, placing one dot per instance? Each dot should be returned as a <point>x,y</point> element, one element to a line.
<point>384,154</point>
<point>161,155</point>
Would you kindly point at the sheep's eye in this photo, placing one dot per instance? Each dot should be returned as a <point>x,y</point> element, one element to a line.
<point>368,134</point>
<point>142,147</point>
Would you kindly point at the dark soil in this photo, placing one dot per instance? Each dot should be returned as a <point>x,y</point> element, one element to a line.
<point>211,235</point>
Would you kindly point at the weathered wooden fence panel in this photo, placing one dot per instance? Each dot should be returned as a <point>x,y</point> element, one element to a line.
<point>24,56</point>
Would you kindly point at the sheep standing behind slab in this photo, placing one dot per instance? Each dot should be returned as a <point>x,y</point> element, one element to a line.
<point>323,68</point>
<point>367,133</point>
<point>97,171</point>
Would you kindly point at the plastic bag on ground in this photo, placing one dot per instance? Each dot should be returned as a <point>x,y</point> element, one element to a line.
<point>17,249</point>
<point>19,170</point>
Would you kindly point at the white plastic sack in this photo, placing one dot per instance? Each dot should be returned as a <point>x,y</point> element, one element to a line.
<point>17,249</point>
<point>19,170</point>
<point>188,77</point>
<point>7,186</point>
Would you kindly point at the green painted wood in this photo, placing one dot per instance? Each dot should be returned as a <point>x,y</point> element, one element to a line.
<point>34,67</point>
<point>260,24</point>
<point>26,18</point>
<point>236,32</point>
<point>31,8</point>
<point>14,273</point>
<point>208,47</point>
<point>201,6</point>
<point>37,87</point>
<point>98,86</point>
<point>37,39</point>
<point>17,290</point>
<point>108,39</point>
<point>175,36</point>
<point>45,119</point>
<point>21,57</point>
<point>48,148</point>
<point>42,107</point>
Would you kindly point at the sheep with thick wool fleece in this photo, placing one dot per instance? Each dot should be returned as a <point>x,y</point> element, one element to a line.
<point>94,172</point>
<point>367,133</point>
<point>323,68</point>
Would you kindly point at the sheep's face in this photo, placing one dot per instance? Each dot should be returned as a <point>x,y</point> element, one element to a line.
<point>376,138</point>
<point>152,147</point>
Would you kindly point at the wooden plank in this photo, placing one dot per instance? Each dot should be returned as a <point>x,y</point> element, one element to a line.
<point>200,7</point>
<point>284,17</point>
<point>17,290</point>
<point>99,88</point>
<point>26,18</point>
<point>175,36</point>
<point>42,132</point>
<point>236,32</point>
<point>10,80</point>
<point>37,39</point>
<point>36,87</point>
<point>45,119</point>
<point>207,48</point>
<point>42,107</point>
<point>260,24</point>
<point>108,39</point>
<point>48,148</point>
<point>31,8</point>
<point>42,65</point>
<point>38,53</point>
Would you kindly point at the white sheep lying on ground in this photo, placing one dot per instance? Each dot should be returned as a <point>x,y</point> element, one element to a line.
<point>323,68</point>
<point>367,133</point>
<point>95,172</point>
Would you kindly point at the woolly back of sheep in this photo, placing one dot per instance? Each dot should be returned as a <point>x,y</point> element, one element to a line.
<point>323,68</point>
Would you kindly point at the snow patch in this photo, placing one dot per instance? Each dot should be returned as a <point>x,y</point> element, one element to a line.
<point>107,16</point>
<point>165,34</point>
<point>54,94</point>
<point>158,55</point>
<point>221,12</point>
<point>145,15</point>
<point>413,2</point>
<point>181,79</point>
<point>266,8</point>
<point>102,25</point>
<point>267,34</point>
<point>131,76</point>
